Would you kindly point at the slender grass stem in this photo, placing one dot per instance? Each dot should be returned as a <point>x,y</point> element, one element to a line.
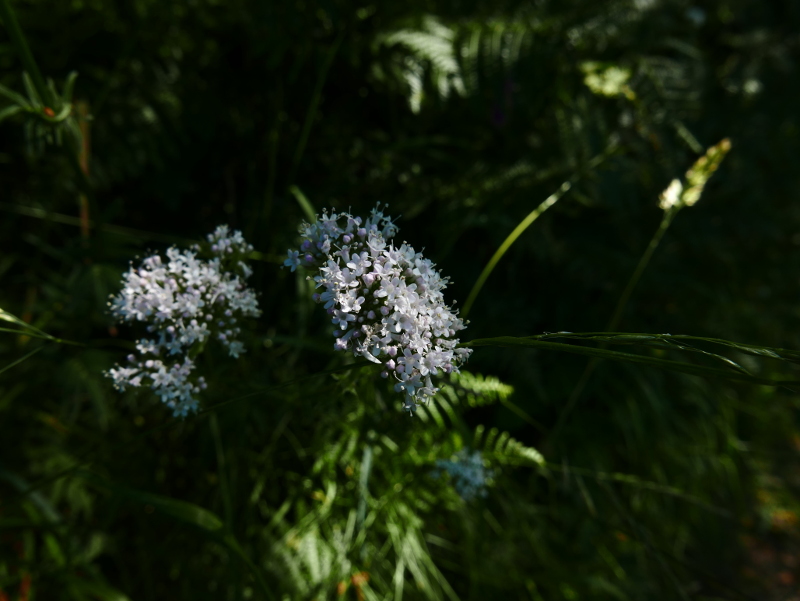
<point>693,369</point>
<point>21,46</point>
<point>21,359</point>
<point>224,485</point>
<point>619,310</point>
<point>512,237</point>
<point>313,106</point>
<point>526,223</point>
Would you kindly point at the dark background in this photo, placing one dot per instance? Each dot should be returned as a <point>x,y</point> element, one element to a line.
<point>462,117</point>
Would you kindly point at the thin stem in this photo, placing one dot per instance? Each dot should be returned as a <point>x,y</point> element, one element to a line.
<point>622,303</point>
<point>274,139</point>
<point>619,310</point>
<point>21,45</point>
<point>221,468</point>
<point>21,359</point>
<point>692,369</point>
<point>525,223</point>
<point>312,108</point>
<point>512,237</point>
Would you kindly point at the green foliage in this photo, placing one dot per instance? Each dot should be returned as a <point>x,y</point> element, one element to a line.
<point>302,478</point>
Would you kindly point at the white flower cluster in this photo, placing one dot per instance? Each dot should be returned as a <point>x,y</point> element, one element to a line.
<point>468,474</point>
<point>185,301</point>
<point>385,301</point>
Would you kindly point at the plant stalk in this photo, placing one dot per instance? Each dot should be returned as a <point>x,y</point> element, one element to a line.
<point>21,46</point>
<point>619,310</point>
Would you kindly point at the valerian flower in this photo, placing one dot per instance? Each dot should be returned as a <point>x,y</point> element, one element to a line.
<point>385,301</point>
<point>186,301</point>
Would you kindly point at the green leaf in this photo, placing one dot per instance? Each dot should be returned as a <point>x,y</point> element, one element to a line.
<point>21,359</point>
<point>35,99</point>
<point>186,512</point>
<point>667,364</point>
<point>305,204</point>
<point>62,114</point>
<point>505,449</point>
<point>69,86</point>
<point>16,98</point>
<point>9,111</point>
<point>512,237</point>
<point>180,510</point>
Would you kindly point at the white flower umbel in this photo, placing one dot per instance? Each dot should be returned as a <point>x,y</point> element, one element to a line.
<point>185,300</point>
<point>385,301</point>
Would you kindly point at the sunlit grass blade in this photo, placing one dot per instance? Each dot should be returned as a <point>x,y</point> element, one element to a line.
<point>27,329</point>
<point>525,223</point>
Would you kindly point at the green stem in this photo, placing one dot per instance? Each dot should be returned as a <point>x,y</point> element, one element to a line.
<point>312,108</point>
<point>622,303</point>
<point>601,353</point>
<point>619,310</point>
<point>272,157</point>
<point>525,223</point>
<point>221,468</point>
<point>512,237</point>
<point>21,45</point>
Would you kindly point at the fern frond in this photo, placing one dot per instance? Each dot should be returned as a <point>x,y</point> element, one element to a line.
<point>504,449</point>
<point>431,51</point>
<point>476,390</point>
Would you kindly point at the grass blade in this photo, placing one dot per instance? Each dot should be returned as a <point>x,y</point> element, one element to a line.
<point>21,359</point>
<point>667,364</point>
<point>512,237</point>
<point>305,204</point>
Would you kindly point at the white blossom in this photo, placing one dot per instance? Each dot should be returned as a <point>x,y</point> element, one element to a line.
<point>185,300</point>
<point>385,301</point>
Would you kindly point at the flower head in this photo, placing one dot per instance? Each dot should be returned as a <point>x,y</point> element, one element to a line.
<point>386,301</point>
<point>185,300</point>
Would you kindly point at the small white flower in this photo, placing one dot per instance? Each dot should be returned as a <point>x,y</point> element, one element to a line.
<point>184,301</point>
<point>382,298</point>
